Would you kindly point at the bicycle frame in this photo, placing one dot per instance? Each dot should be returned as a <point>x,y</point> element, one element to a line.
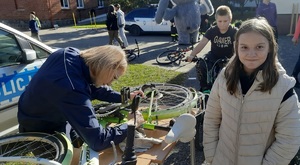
<point>172,56</point>
<point>211,74</point>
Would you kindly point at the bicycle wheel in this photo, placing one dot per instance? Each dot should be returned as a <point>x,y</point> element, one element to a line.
<point>131,57</point>
<point>176,56</point>
<point>171,101</point>
<point>164,57</point>
<point>34,146</point>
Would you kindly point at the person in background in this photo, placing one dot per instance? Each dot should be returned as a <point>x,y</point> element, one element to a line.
<point>174,35</point>
<point>112,26</point>
<point>221,37</point>
<point>268,10</point>
<point>37,19</point>
<point>204,25</point>
<point>60,94</point>
<point>33,26</point>
<point>252,115</point>
<point>295,40</point>
<point>121,24</point>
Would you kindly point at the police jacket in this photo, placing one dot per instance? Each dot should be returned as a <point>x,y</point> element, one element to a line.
<point>60,92</point>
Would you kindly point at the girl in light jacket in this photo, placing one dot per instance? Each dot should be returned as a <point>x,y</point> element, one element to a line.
<point>252,113</point>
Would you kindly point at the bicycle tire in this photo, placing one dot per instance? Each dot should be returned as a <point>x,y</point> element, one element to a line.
<point>131,57</point>
<point>199,121</point>
<point>199,131</point>
<point>35,146</point>
<point>163,58</point>
<point>175,56</point>
<point>174,101</point>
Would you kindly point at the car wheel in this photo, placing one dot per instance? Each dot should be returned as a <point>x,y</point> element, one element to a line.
<point>135,30</point>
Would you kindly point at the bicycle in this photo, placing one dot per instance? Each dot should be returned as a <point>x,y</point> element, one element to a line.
<point>172,56</point>
<point>132,53</point>
<point>166,101</point>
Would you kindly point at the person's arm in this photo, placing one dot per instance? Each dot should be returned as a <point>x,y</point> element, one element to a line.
<point>212,121</point>
<point>108,22</point>
<point>198,48</point>
<point>122,19</point>
<point>297,32</point>
<point>119,18</point>
<point>78,111</point>
<point>287,137</point>
<point>105,93</point>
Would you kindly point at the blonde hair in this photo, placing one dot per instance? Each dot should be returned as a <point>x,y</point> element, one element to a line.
<point>104,61</point>
<point>223,11</point>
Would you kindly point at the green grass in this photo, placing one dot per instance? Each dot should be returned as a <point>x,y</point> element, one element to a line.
<point>138,74</point>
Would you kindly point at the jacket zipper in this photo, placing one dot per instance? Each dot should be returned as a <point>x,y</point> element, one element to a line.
<point>238,130</point>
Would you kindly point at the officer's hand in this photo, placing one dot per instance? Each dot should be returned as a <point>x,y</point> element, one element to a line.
<point>132,94</point>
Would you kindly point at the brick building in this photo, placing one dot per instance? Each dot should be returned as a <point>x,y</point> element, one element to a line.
<point>50,12</point>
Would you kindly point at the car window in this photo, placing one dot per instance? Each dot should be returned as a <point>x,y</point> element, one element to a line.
<point>141,13</point>
<point>40,53</point>
<point>10,50</point>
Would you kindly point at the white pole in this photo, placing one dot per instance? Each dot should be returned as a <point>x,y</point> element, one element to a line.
<point>297,13</point>
<point>292,21</point>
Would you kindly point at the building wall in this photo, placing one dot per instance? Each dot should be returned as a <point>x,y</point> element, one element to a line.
<point>16,12</point>
<point>286,24</point>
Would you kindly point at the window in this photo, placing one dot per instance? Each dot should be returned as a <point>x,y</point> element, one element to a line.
<point>80,4</point>
<point>40,53</point>
<point>10,51</point>
<point>100,3</point>
<point>64,4</point>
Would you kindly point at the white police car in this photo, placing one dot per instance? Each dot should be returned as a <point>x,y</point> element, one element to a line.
<point>20,58</point>
<point>142,20</point>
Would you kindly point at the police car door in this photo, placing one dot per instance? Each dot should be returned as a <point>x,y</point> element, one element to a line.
<point>14,73</point>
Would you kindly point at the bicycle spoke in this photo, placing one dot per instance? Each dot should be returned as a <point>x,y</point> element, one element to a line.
<point>171,96</point>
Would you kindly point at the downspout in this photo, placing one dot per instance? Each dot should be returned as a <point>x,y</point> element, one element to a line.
<point>16,4</point>
<point>50,12</point>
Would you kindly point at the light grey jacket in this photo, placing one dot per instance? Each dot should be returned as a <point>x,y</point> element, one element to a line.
<point>252,129</point>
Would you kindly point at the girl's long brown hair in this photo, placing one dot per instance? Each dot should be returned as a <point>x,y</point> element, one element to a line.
<point>269,69</point>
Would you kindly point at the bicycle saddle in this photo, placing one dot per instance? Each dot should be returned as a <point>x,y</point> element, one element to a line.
<point>183,129</point>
